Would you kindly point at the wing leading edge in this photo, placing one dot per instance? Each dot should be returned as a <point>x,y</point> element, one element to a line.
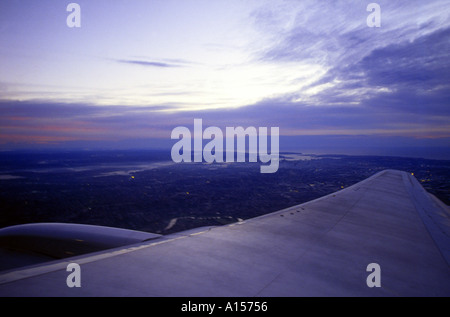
<point>319,248</point>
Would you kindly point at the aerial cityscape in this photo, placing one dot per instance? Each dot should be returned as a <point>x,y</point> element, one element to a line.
<point>145,190</point>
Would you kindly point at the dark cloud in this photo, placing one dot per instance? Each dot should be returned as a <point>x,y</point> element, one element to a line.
<point>45,109</point>
<point>336,129</point>
<point>422,64</point>
<point>409,80</point>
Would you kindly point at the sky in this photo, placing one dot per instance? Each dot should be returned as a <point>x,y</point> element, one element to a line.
<point>135,70</point>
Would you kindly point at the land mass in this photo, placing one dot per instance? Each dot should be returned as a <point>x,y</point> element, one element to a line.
<point>145,190</point>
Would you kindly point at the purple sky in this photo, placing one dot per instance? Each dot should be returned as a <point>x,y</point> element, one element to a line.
<point>135,70</point>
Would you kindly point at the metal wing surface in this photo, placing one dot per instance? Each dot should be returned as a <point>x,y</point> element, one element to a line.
<point>319,248</point>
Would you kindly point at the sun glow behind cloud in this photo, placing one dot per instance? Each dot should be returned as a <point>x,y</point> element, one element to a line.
<point>146,54</point>
<point>137,70</point>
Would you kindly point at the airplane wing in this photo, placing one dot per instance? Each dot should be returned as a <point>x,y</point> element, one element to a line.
<point>320,248</point>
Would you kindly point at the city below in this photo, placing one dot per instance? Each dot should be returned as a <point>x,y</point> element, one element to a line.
<point>147,191</point>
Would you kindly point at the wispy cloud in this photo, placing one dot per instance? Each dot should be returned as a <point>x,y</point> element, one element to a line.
<point>408,78</point>
<point>392,80</point>
<point>148,63</point>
